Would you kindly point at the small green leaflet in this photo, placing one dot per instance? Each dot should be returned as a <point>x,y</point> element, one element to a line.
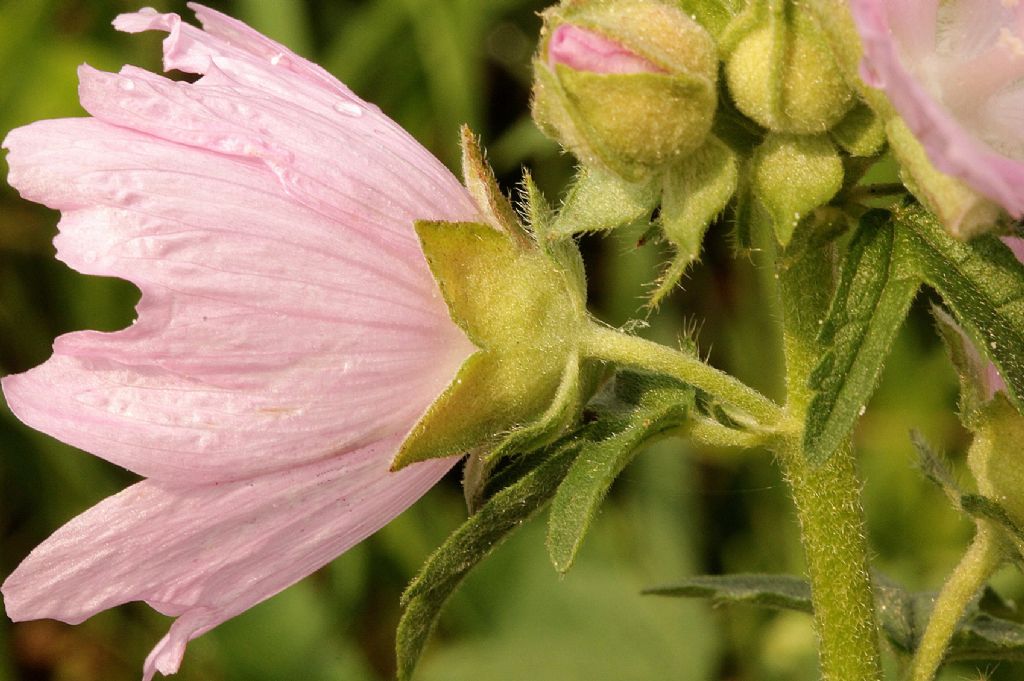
<point>875,289</point>
<point>660,406</point>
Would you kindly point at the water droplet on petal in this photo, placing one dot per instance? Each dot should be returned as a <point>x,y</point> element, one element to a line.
<point>349,109</point>
<point>276,59</point>
<point>126,84</point>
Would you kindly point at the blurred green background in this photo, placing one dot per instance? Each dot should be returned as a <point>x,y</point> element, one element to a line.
<point>431,65</point>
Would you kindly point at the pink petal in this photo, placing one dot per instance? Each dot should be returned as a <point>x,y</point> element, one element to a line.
<point>207,553</point>
<point>269,333</point>
<point>951,146</point>
<point>585,50</point>
<point>289,333</point>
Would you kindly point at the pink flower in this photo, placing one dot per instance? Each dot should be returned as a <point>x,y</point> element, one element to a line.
<point>955,72</point>
<point>289,335</point>
<point>585,50</point>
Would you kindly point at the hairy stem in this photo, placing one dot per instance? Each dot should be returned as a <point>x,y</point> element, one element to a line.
<point>979,562</point>
<point>609,345</point>
<point>827,495</point>
<point>827,499</point>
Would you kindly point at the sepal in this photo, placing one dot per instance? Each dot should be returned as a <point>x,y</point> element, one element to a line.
<point>696,191</point>
<point>793,175</point>
<point>524,310</point>
<point>860,133</point>
<point>962,211</point>
<point>599,200</point>
<point>996,459</point>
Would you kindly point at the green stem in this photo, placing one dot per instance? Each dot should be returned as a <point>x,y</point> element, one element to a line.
<point>606,344</point>
<point>827,495</point>
<point>827,499</point>
<point>979,562</point>
<point>707,432</point>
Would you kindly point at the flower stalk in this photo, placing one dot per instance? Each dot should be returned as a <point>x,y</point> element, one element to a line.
<point>979,562</point>
<point>606,344</point>
<point>827,495</point>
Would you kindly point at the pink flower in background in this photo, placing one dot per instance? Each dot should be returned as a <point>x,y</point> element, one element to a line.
<point>955,72</point>
<point>289,333</point>
<point>585,50</point>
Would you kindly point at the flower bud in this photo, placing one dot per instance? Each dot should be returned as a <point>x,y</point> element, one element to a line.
<point>629,85</point>
<point>995,457</point>
<point>783,75</point>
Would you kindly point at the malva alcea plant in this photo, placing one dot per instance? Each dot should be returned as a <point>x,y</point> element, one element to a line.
<point>330,320</point>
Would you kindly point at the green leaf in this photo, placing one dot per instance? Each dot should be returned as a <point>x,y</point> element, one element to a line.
<point>980,635</point>
<point>599,201</point>
<point>983,285</point>
<point>613,442</point>
<point>784,592</point>
<point>470,544</point>
<point>871,300</point>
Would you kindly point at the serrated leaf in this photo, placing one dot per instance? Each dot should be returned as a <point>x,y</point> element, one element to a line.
<point>983,285</point>
<point>782,592</point>
<point>599,201</point>
<point>871,300</point>
<point>614,441</point>
<point>467,546</point>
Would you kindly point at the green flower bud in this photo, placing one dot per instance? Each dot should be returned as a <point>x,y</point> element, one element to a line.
<point>782,73</point>
<point>996,459</point>
<point>629,85</point>
<point>793,175</point>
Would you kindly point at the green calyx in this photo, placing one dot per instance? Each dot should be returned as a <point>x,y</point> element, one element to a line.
<point>523,306</point>
<point>792,175</point>
<point>632,124</point>
<point>996,459</point>
<point>962,211</point>
<point>781,71</point>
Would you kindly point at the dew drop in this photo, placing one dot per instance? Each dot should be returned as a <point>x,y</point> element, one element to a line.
<point>126,84</point>
<point>276,59</point>
<point>349,109</point>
